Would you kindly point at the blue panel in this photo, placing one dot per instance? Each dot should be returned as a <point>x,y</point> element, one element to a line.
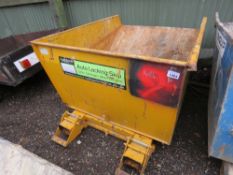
<point>222,146</point>
<point>220,119</point>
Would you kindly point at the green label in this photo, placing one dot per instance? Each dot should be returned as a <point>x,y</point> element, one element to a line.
<point>94,72</point>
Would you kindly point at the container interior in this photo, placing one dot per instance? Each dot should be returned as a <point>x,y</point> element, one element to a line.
<point>110,35</point>
<point>161,42</point>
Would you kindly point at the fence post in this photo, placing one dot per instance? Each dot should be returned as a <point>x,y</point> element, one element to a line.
<point>58,10</point>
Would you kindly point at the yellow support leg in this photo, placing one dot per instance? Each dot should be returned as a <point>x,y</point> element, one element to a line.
<point>136,154</point>
<point>69,128</point>
<point>138,148</point>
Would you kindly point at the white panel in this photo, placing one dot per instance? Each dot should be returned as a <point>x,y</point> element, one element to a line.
<point>32,58</point>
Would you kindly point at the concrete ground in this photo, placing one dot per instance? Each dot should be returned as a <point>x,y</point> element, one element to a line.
<point>15,160</point>
<point>30,113</point>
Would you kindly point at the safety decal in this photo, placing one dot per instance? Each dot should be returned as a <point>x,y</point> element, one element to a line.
<point>156,82</point>
<point>108,75</point>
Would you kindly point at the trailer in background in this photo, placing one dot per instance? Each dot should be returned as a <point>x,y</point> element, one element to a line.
<point>17,59</point>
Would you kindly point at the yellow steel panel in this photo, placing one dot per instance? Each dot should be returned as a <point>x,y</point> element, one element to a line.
<point>195,52</point>
<point>134,155</point>
<point>85,35</point>
<point>113,104</point>
<point>66,124</point>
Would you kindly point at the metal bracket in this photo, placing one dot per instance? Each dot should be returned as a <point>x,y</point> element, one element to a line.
<point>69,128</point>
<point>136,154</point>
<point>138,148</point>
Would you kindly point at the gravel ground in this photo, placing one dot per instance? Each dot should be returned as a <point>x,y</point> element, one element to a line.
<point>30,114</point>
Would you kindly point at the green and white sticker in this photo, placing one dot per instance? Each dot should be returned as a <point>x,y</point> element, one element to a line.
<point>108,75</point>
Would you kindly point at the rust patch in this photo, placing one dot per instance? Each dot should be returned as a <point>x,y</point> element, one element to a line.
<point>222,149</point>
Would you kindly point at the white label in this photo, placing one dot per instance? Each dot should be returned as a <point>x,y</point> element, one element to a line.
<point>220,42</point>
<point>173,74</point>
<point>44,51</point>
<point>68,68</point>
<point>32,58</point>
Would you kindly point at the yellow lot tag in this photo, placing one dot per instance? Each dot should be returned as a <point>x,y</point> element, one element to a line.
<point>94,72</point>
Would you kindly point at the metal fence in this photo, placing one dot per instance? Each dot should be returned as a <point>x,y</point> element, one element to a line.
<point>183,13</point>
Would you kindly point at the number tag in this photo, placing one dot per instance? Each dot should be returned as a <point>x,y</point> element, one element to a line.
<point>173,74</point>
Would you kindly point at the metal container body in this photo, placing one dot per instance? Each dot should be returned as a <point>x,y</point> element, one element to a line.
<point>220,139</point>
<point>109,71</point>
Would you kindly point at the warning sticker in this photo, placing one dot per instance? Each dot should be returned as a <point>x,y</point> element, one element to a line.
<point>110,76</point>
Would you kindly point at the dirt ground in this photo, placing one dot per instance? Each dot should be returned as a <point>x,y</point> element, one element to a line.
<point>29,114</point>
